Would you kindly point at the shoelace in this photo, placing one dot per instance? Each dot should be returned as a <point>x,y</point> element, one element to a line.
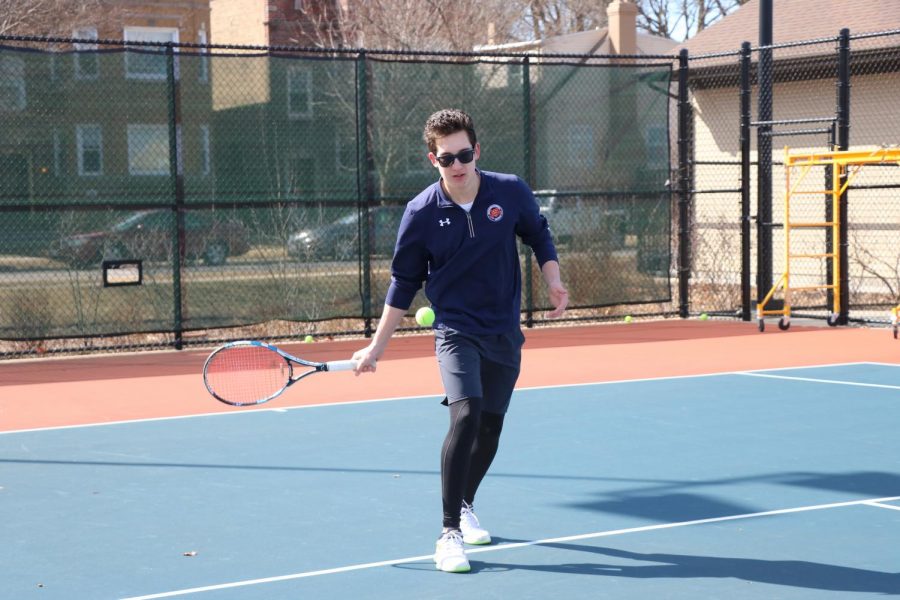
<point>451,538</point>
<point>469,516</point>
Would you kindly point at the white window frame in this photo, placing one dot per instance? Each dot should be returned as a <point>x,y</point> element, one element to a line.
<point>86,33</point>
<point>582,145</point>
<point>141,34</point>
<point>205,151</point>
<point>340,144</point>
<point>80,132</point>
<point>203,39</point>
<point>416,156</point>
<point>57,153</point>
<point>656,138</point>
<point>12,77</point>
<point>296,112</point>
<point>138,134</point>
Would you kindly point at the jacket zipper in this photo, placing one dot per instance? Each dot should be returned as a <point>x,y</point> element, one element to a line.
<point>471,227</point>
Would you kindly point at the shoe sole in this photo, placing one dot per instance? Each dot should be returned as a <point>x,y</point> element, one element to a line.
<point>462,569</point>
<point>474,541</point>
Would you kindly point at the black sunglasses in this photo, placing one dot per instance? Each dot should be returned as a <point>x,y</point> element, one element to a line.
<point>465,157</point>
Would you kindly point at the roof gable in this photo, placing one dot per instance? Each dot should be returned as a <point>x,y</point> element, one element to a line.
<point>792,21</point>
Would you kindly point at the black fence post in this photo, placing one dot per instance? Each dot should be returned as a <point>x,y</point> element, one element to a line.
<point>176,173</point>
<point>764,223</point>
<point>684,186</point>
<point>843,142</point>
<point>528,133</point>
<point>363,192</point>
<point>745,181</point>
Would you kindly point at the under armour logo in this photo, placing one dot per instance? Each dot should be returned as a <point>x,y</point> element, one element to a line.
<point>443,222</point>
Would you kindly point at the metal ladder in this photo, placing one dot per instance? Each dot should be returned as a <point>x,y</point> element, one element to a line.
<point>845,165</point>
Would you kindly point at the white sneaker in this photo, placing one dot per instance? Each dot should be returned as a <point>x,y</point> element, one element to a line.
<point>449,555</point>
<point>472,531</point>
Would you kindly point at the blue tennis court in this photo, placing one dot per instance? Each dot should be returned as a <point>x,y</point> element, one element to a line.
<point>764,484</point>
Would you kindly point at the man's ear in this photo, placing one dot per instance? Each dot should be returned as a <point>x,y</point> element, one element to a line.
<point>433,159</point>
<point>477,150</point>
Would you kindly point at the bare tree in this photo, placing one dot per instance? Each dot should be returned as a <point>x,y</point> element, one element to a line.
<point>682,19</point>
<point>549,18</point>
<point>434,25</point>
<point>54,17</point>
<point>403,24</point>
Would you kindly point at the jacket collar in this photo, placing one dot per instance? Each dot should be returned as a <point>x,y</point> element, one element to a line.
<point>444,200</point>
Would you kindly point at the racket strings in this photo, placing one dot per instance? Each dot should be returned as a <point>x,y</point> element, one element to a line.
<point>247,374</point>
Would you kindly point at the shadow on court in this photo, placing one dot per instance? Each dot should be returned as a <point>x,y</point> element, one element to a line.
<point>869,483</point>
<point>792,573</point>
<point>667,508</point>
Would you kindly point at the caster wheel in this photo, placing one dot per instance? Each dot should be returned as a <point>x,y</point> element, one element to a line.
<point>783,324</point>
<point>833,320</point>
<point>762,325</point>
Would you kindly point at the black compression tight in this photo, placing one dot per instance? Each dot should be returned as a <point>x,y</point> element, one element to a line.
<point>469,449</point>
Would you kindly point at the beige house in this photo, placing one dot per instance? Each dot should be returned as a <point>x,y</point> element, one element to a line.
<point>805,87</point>
<point>597,129</point>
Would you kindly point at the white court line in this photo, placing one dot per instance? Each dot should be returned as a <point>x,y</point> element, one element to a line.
<point>399,398</point>
<point>881,505</point>
<point>811,379</point>
<point>571,538</point>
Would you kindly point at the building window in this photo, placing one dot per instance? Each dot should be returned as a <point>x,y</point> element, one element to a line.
<point>89,140</point>
<point>581,147</point>
<point>87,62</point>
<point>345,152</point>
<point>299,90</point>
<point>202,39</point>
<point>148,149</point>
<point>57,153</point>
<point>657,141</point>
<point>204,150</point>
<point>416,155</point>
<point>12,84</point>
<point>148,62</point>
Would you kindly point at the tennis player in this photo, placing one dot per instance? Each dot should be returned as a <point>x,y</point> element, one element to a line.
<point>458,237</point>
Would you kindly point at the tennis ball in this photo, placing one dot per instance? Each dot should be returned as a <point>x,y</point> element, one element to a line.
<point>425,316</point>
<point>628,319</point>
<point>309,339</point>
<point>703,316</point>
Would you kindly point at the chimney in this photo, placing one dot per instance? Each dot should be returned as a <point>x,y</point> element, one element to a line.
<point>622,16</point>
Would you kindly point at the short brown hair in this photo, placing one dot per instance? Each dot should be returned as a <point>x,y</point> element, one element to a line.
<point>447,122</point>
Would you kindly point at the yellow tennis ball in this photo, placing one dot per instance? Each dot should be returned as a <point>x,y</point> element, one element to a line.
<point>704,316</point>
<point>309,339</point>
<point>425,316</point>
<point>628,319</point>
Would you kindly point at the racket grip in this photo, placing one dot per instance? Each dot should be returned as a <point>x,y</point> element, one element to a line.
<point>341,365</point>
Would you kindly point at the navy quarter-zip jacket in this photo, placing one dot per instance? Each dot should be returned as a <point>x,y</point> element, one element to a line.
<point>469,261</point>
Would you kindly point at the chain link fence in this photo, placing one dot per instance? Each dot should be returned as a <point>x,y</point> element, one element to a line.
<point>256,192</point>
<point>793,96</point>
<point>167,195</point>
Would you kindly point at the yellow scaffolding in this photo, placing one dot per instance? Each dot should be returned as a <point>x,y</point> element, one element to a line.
<point>845,166</point>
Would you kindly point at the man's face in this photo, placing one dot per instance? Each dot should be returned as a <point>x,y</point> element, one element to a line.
<point>455,175</point>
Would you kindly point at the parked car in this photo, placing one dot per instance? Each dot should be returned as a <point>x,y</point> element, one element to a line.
<point>148,235</point>
<point>339,240</point>
<point>583,222</point>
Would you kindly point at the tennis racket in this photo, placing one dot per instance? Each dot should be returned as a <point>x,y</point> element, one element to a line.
<point>248,372</point>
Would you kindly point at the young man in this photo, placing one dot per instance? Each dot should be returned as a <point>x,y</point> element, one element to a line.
<point>458,237</point>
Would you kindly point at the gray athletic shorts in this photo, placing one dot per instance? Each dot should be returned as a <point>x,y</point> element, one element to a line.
<point>479,366</point>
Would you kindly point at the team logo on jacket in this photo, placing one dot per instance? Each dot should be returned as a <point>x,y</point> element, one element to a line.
<point>495,212</point>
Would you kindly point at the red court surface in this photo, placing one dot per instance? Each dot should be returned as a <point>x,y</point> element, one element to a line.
<point>54,392</point>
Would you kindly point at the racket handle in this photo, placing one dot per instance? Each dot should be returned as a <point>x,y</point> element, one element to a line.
<point>341,365</point>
